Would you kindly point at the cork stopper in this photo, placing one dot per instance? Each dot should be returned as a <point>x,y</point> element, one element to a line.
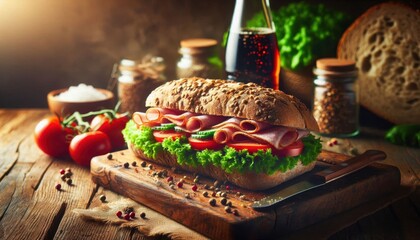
<point>336,65</point>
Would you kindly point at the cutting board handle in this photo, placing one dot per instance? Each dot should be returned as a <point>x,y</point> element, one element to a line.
<point>350,165</point>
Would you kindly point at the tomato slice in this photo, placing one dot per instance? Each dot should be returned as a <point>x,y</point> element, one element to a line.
<point>161,135</point>
<point>252,147</point>
<point>292,150</point>
<point>201,144</point>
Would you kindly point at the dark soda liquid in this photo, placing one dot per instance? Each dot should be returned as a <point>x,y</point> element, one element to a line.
<point>252,55</point>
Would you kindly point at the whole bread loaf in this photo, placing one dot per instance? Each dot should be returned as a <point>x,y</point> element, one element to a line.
<point>235,99</point>
<point>385,44</point>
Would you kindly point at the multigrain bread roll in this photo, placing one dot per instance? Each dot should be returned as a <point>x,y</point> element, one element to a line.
<point>235,99</point>
<point>251,136</point>
<point>385,44</point>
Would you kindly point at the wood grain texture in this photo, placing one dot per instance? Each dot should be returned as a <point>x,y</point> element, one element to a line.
<point>31,208</point>
<point>143,185</point>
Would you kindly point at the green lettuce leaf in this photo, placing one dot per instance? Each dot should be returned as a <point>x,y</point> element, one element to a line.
<point>228,158</point>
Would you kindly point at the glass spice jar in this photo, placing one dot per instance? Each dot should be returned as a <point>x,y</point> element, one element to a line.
<point>199,59</point>
<point>136,80</point>
<point>336,102</point>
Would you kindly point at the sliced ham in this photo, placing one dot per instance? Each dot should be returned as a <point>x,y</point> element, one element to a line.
<point>231,122</point>
<point>224,135</point>
<point>252,126</point>
<point>302,133</point>
<point>140,119</point>
<point>201,122</point>
<point>278,137</point>
<point>179,120</point>
<point>157,114</point>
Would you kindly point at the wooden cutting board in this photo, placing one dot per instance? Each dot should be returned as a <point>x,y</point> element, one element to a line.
<point>149,185</point>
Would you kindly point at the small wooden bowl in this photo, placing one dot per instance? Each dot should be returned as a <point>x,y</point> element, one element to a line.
<point>66,108</point>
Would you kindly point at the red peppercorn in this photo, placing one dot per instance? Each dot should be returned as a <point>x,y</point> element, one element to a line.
<point>227,187</point>
<point>194,188</point>
<point>119,214</point>
<point>127,216</point>
<point>179,184</point>
<point>169,179</point>
<point>62,171</point>
<point>132,214</point>
<point>58,186</point>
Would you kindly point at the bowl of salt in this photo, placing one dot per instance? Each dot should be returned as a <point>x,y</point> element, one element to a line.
<point>82,98</point>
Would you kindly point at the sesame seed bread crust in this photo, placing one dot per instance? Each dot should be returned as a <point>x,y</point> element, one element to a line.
<point>233,99</point>
<point>384,43</point>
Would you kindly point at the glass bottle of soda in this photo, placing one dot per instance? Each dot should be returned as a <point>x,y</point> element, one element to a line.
<point>252,53</point>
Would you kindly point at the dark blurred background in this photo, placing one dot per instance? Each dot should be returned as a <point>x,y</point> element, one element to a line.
<point>50,44</point>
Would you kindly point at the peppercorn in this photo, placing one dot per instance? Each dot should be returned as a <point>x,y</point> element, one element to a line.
<point>235,212</point>
<point>102,198</point>
<point>213,194</point>
<point>205,194</point>
<point>109,156</point>
<point>134,164</point>
<point>228,209</point>
<point>126,165</point>
<point>119,214</point>
<point>223,201</point>
<point>212,202</point>
<point>132,214</point>
<point>68,170</point>
<point>229,203</point>
<point>128,210</point>
<point>143,215</point>
<point>150,166</point>
<point>169,179</point>
<point>63,177</point>
<point>206,187</point>
<point>127,216</point>
<point>179,184</point>
<point>194,188</point>
<point>216,183</point>
<point>69,182</point>
<point>196,180</point>
<point>223,194</point>
<point>227,187</point>
<point>62,171</point>
<point>143,164</point>
<point>58,186</point>
<point>67,175</point>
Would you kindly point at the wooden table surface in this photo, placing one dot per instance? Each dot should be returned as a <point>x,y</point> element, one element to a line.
<point>31,208</point>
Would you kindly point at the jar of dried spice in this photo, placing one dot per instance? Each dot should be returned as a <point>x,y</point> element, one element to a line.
<point>336,102</point>
<point>136,80</point>
<point>199,59</point>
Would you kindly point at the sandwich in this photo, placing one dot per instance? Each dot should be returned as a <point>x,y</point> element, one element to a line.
<point>253,137</point>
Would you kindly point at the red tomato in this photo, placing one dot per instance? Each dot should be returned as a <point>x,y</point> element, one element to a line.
<point>161,135</point>
<point>52,138</point>
<point>87,145</point>
<point>201,144</point>
<point>252,147</point>
<point>112,128</point>
<point>292,150</point>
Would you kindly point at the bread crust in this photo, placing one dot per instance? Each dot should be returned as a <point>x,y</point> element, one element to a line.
<point>384,44</point>
<point>234,99</point>
<point>246,180</point>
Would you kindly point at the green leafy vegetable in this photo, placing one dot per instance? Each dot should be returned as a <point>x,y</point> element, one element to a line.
<point>406,135</point>
<point>305,32</point>
<point>228,159</point>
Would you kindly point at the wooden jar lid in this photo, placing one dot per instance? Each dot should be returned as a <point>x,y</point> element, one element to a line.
<point>336,65</point>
